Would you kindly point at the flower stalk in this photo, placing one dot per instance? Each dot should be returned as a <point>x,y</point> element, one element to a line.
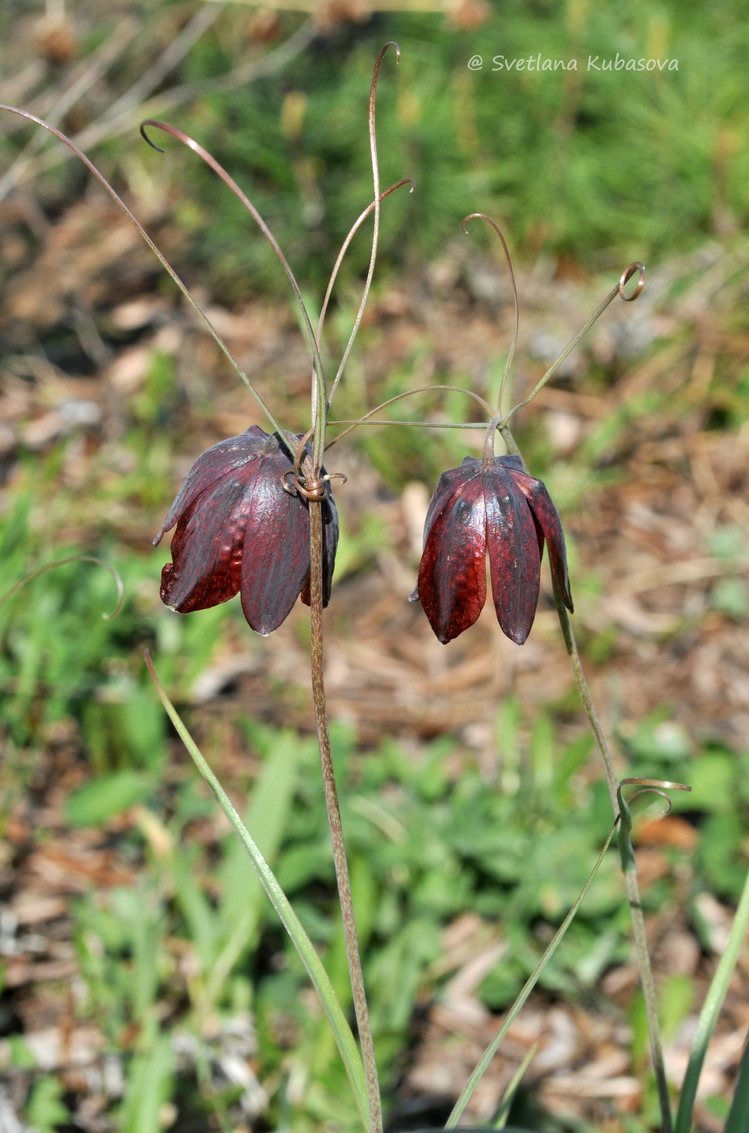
<point>343,879</point>
<point>639,934</point>
<point>255,515</point>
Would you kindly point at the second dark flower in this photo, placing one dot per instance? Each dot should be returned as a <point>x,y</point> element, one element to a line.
<point>490,506</point>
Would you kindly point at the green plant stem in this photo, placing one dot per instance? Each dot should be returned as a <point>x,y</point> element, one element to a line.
<point>343,880</point>
<point>634,268</point>
<point>528,986</point>
<point>709,1015</point>
<point>319,977</point>
<point>630,875</point>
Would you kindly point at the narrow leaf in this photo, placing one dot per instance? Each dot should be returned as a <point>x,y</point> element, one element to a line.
<point>307,954</point>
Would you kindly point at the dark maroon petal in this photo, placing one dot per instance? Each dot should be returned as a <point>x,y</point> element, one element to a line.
<point>238,529</point>
<point>550,524</point>
<point>211,466</point>
<point>514,556</point>
<point>446,486</point>
<point>329,546</point>
<point>207,547</point>
<point>452,573</point>
<point>330,533</point>
<point>275,558</point>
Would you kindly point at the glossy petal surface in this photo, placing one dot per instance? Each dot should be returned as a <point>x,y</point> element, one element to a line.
<point>238,530</point>
<point>210,467</point>
<point>491,507</point>
<point>275,559</point>
<point>207,546</point>
<point>550,525</point>
<point>514,556</point>
<point>452,574</point>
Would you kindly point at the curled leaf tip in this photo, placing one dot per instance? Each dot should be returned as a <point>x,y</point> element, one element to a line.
<point>144,133</point>
<point>472,216</point>
<point>635,268</point>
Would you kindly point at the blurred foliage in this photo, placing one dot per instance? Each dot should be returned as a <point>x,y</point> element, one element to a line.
<point>594,165</point>
<point>410,830</point>
<point>591,165</point>
<point>93,679</point>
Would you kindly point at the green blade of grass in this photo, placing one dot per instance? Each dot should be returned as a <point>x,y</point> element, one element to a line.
<point>149,1087</point>
<point>317,973</point>
<point>240,907</point>
<point>517,1006</point>
<point>738,1119</point>
<point>500,1119</point>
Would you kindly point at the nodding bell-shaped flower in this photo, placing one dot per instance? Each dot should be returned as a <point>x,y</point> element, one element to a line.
<point>493,506</point>
<point>243,527</point>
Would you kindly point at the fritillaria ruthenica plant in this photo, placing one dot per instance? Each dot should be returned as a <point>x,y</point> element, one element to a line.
<point>255,516</point>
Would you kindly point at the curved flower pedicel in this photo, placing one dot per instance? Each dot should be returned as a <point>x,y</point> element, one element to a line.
<point>243,527</point>
<point>488,506</point>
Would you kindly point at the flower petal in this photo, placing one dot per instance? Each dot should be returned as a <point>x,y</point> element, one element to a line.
<point>207,547</point>
<point>329,546</point>
<point>514,556</point>
<point>210,467</point>
<point>275,557</point>
<point>452,572</point>
<point>448,483</point>
<point>550,524</point>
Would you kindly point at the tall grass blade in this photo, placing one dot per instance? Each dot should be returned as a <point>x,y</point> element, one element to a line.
<point>706,1025</point>
<point>738,1117</point>
<point>307,954</point>
<point>517,1006</point>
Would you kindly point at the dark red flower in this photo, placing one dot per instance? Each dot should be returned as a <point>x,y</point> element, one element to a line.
<point>240,531</point>
<point>492,506</point>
